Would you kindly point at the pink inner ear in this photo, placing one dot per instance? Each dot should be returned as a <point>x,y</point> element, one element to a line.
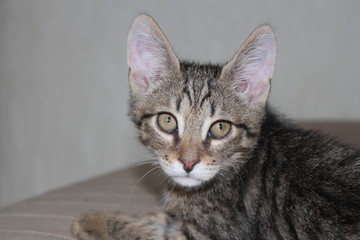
<point>142,80</point>
<point>139,82</point>
<point>242,86</point>
<point>140,71</point>
<point>136,58</point>
<point>253,76</point>
<point>145,59</point>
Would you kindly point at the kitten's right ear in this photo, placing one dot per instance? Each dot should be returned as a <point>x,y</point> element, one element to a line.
<point>149,55</point>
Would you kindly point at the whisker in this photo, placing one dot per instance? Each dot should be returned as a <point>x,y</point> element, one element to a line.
<point>137,182</point>
<point>150,162</point>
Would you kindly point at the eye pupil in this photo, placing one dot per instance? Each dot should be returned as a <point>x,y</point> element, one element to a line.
<point>220,126</point>
<point>168,119</point>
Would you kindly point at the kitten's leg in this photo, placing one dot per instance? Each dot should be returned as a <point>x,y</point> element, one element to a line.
<point>99,225</point>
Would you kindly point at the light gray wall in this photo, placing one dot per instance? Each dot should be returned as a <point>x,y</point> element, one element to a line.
<point>63,75</point>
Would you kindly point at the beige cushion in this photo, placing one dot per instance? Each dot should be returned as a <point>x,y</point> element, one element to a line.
<point>49,216</point>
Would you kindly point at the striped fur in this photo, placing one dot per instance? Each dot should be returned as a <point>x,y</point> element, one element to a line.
<point>267,179</point>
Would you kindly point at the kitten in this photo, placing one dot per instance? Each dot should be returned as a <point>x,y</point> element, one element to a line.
<point>236,170</point>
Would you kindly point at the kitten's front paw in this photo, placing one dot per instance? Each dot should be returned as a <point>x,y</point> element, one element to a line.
<point>95,225</point>
<point>101,225</point>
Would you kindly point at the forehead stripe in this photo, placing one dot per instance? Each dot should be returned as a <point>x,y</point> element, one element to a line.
<point>207,95</point>
<point>178,102</point>
<point>187,93</point>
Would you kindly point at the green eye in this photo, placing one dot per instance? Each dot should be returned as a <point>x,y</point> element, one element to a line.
<point>167,122</point>
<point>219,129</point>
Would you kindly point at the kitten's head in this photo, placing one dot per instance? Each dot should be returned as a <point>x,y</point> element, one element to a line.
<point>202,121</point>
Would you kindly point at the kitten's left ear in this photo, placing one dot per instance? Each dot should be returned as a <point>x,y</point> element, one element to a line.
<point>251,69</point>
<point>149,55</point>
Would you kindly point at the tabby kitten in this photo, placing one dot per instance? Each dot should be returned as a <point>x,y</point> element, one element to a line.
<point>237,170</point>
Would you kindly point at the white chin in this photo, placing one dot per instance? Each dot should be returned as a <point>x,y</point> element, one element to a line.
<point>187,181</point>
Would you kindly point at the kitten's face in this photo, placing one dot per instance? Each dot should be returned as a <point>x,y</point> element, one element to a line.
<point>201,120</point>
<point>196,126</point>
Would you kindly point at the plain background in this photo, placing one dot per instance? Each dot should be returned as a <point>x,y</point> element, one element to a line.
<point>63,75</point>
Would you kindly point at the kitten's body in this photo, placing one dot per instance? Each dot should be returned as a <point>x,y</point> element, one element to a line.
<point>263,179</point>
<point>288,190</point>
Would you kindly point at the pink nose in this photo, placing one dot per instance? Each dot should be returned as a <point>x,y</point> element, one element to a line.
<point>188,165</point>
